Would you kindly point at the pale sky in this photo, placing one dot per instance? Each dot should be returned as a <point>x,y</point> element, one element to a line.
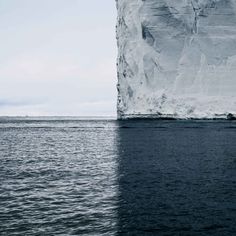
<point>57,57</point>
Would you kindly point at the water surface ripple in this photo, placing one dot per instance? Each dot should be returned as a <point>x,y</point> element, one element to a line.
<point>64,176</point>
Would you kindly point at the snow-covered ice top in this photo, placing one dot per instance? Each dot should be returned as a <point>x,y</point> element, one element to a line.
<point>176,58</point>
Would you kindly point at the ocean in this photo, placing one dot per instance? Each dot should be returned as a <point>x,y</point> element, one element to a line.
<point>97,176</point>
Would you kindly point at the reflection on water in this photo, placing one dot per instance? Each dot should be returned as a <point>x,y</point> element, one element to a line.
<point>98,177</point>
<point>177,178</point>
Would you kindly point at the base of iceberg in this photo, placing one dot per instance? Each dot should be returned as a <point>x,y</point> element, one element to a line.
<point>228,116</point>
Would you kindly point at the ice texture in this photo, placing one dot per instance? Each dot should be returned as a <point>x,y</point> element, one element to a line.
<point>176,58</point>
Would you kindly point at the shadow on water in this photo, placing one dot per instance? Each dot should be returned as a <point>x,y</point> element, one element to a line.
<point>176,178</point>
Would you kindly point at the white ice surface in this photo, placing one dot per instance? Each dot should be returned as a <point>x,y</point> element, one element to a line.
<point>176,58</point>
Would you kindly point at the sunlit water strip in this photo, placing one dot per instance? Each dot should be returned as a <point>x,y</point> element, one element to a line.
<point>58,176</point>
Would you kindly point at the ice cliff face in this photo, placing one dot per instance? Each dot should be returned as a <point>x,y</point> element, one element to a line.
<point>176,58</point>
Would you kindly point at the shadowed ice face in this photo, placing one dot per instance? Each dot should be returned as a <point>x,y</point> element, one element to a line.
<point>190,36</point>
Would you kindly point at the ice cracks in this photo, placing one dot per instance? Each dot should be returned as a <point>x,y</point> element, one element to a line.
<point>176,59</point>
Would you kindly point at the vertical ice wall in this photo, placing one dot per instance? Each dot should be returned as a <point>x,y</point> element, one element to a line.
<point>176,58</point>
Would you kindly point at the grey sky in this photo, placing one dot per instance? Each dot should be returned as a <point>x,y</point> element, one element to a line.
<point>57,57</point>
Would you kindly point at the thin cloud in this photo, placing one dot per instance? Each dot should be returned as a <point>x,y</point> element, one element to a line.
<point>62,53</point>
<point>14,103</point>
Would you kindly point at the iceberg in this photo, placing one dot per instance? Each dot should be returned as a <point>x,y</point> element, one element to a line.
<point>176,59</point>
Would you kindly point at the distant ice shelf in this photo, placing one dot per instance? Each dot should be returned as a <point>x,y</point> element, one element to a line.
<point>176,59</point>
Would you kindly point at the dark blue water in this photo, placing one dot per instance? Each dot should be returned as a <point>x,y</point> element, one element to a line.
<point>64,176</point>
